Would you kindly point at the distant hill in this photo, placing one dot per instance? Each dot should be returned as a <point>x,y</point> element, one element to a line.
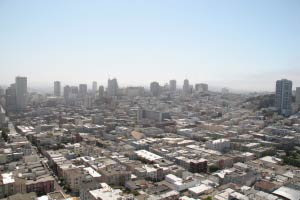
<point>263,101</point>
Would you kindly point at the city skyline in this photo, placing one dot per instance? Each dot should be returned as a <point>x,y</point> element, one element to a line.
<point>47,87</point>
<point>241,45</point>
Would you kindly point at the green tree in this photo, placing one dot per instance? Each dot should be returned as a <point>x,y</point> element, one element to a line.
<point>4,135</point>
<point>213,168</point>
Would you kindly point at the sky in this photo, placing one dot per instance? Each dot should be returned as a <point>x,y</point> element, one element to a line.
<point>240,44</point>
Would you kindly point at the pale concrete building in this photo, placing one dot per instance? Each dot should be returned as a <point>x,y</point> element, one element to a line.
<point>57,88</point>
<point>21,92</point>
<point>283,97</point>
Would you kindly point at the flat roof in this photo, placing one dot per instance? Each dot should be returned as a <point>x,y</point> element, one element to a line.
<point>8,178</point>
<point>200,189</point>
<point>148,155</point>
<point>92,172</point>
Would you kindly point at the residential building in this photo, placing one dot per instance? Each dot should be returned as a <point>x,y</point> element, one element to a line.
<point>218,145</point>
<point>172,85</point>
<point>82,90</point>
<point>155,89</point>
<point>112,87</point>
<point>283,97</point>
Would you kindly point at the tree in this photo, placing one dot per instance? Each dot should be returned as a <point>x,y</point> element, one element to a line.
<point>213,168</point>
<point>4,135</point>
<point>135,193</point>
<point>208,198</point>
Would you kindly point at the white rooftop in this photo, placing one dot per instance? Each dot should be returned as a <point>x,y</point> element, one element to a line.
<point>8,178</point>
<point>270,159</point>
<point>106,193</point>
<point>200,189</point>
<point>148,155</point>
<point>92,172</point>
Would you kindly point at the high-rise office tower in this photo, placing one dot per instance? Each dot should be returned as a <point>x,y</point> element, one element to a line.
<point>1,91</point>
<point>57,88</point>
<point>82,90</point>
<point>101,91</point>
<point>10,98</point>
<point>94,87</point>
<point>186,84</point>
<point>187,89</point>
<point>172,85</point>
<point>283,96</point>
<point>74,90</point>
<point>112,87</point>
<point>298,98</point>
<point>155,89</point>
<point>21,92</point>
<point>67,92</point>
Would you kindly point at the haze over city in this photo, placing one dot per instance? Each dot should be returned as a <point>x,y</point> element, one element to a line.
<point>243,45</point>
<point>150,100</point>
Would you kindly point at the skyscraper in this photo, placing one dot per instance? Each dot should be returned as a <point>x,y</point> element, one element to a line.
<point>21,92</point>
<point>10,98</point>
<point>155,89</point>
<point>67,92</point>
<point>112,87</point>
<point>101,91</point>
<point>172,85</point>
<point>298,97</point>
<point>57,88</point>
<point>283,96</point>
<point>187,89</point>
<point>82,90</point>
<point>94,87</point>
<point>186,84</point>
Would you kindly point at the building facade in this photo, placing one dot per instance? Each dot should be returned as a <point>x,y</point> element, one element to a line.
<point>155,89</point>
<point>21,92</point>
<point>298,98</point>
<point>283,97</point>
<point>57,88</point>
<point>172,85</point>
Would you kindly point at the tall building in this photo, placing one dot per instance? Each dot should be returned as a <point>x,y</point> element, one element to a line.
<point>88,102</point>
<point>112,87</point>
<point>74,90</point>
<point>172,85</point>
<point>82,90</point>
<point>21,92</point>
<point>187,88</point>
<point>283,96</point>
<point>186,84</point>
<point>298,97</point>
<point>101,91</point>
<point>1,91</point>
<point>155,89</point>
<point>57,88</point>
<point>67,92</point>
<point>94,87</point>
<point>10,98</point>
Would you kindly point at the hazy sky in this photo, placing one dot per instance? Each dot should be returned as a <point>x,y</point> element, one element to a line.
<point>243,44</point>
